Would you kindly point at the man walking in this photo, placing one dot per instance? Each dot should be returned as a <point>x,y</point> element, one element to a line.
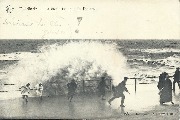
<point>176,78</point>
<point>118,92</point>
<point>71,89</point>
<point>102,88</point>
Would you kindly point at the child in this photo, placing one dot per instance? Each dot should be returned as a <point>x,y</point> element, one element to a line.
<point>39,89</point>
<point>25,91</point>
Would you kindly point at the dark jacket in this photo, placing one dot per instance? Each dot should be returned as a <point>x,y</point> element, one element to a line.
<point>118,90</point>
<point>72,86</point>
<point>166,92</point>
<point>177,76</point>
<point>102,87</point>
<point>161,81</point>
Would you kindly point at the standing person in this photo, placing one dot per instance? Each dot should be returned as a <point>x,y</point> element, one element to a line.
<point>102,88</point>
<point>118,92</point>
<point>176,78</point>
<point>39,89</point>
<point>161,81</point>
<point>166,91</point>
<point>72,86</point>
<point>25,91</point>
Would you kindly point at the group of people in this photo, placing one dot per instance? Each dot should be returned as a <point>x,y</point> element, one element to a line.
<point>102,86</point>
<point>25,91</point>
<point>165,86</point>
<point>72,86</point>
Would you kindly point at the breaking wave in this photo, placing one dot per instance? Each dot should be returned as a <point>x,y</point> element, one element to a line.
<point>77,60</point>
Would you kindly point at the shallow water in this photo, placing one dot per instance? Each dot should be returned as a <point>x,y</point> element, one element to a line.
<point>84,106</point>
<point>144,58</point>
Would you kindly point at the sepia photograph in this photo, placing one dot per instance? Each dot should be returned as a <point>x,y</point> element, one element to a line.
<point>85,59</point>
<point>92,79</point>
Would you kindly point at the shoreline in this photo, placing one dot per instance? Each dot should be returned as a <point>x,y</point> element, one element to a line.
<point>81,107</point>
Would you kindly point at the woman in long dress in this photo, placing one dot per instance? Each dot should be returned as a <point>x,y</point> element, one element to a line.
<point>166,91</point>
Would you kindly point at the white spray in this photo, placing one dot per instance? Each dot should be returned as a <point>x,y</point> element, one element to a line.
<point>38,67</point>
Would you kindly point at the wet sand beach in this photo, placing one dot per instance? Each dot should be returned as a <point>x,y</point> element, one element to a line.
<point>92,107</point>
<point>55,62</point>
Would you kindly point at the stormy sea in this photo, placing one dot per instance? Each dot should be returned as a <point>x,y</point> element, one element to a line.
<point>55,62</point>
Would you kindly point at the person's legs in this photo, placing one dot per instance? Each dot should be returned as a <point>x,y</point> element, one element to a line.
<point>110,100</point>
<point>103,95</point>
<point>71,97</point>
<point>26,97</point>
<point>37,92</point>
<point>174,85</point>
<point>161,102</point>
<point>41,95</point>
<point>68,96</point>
<point>179,84</point>
<point>122,100</point>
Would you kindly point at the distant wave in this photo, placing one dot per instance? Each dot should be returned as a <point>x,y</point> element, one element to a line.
<point>162,50</point>
<point>172,61</point>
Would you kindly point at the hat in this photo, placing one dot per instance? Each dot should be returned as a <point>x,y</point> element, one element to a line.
<point>165,73</point>
<point>125,78</point>
<point>28,84</point>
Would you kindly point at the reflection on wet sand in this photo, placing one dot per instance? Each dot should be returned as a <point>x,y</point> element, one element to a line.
<point>89,106</point>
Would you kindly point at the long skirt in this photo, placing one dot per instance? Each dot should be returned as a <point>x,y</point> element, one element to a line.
<point>166,95</point>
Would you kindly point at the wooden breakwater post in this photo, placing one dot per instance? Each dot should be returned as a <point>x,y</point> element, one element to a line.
<point>83,86</point>
<point>135,80</point>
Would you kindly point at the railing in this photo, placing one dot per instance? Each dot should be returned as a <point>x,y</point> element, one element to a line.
<point>88,84</point>
<point>84,85</point>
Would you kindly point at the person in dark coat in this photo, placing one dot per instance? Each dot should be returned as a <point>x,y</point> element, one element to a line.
<point>176,78</point>
<point>161,80</point>
<point>118,92</point>
<point>166,91</point>
<point>102,88</point>
<point>71,89</point>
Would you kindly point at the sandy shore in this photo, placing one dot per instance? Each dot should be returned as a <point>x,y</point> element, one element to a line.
<point>142,105</point>
<point>90,107</point>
